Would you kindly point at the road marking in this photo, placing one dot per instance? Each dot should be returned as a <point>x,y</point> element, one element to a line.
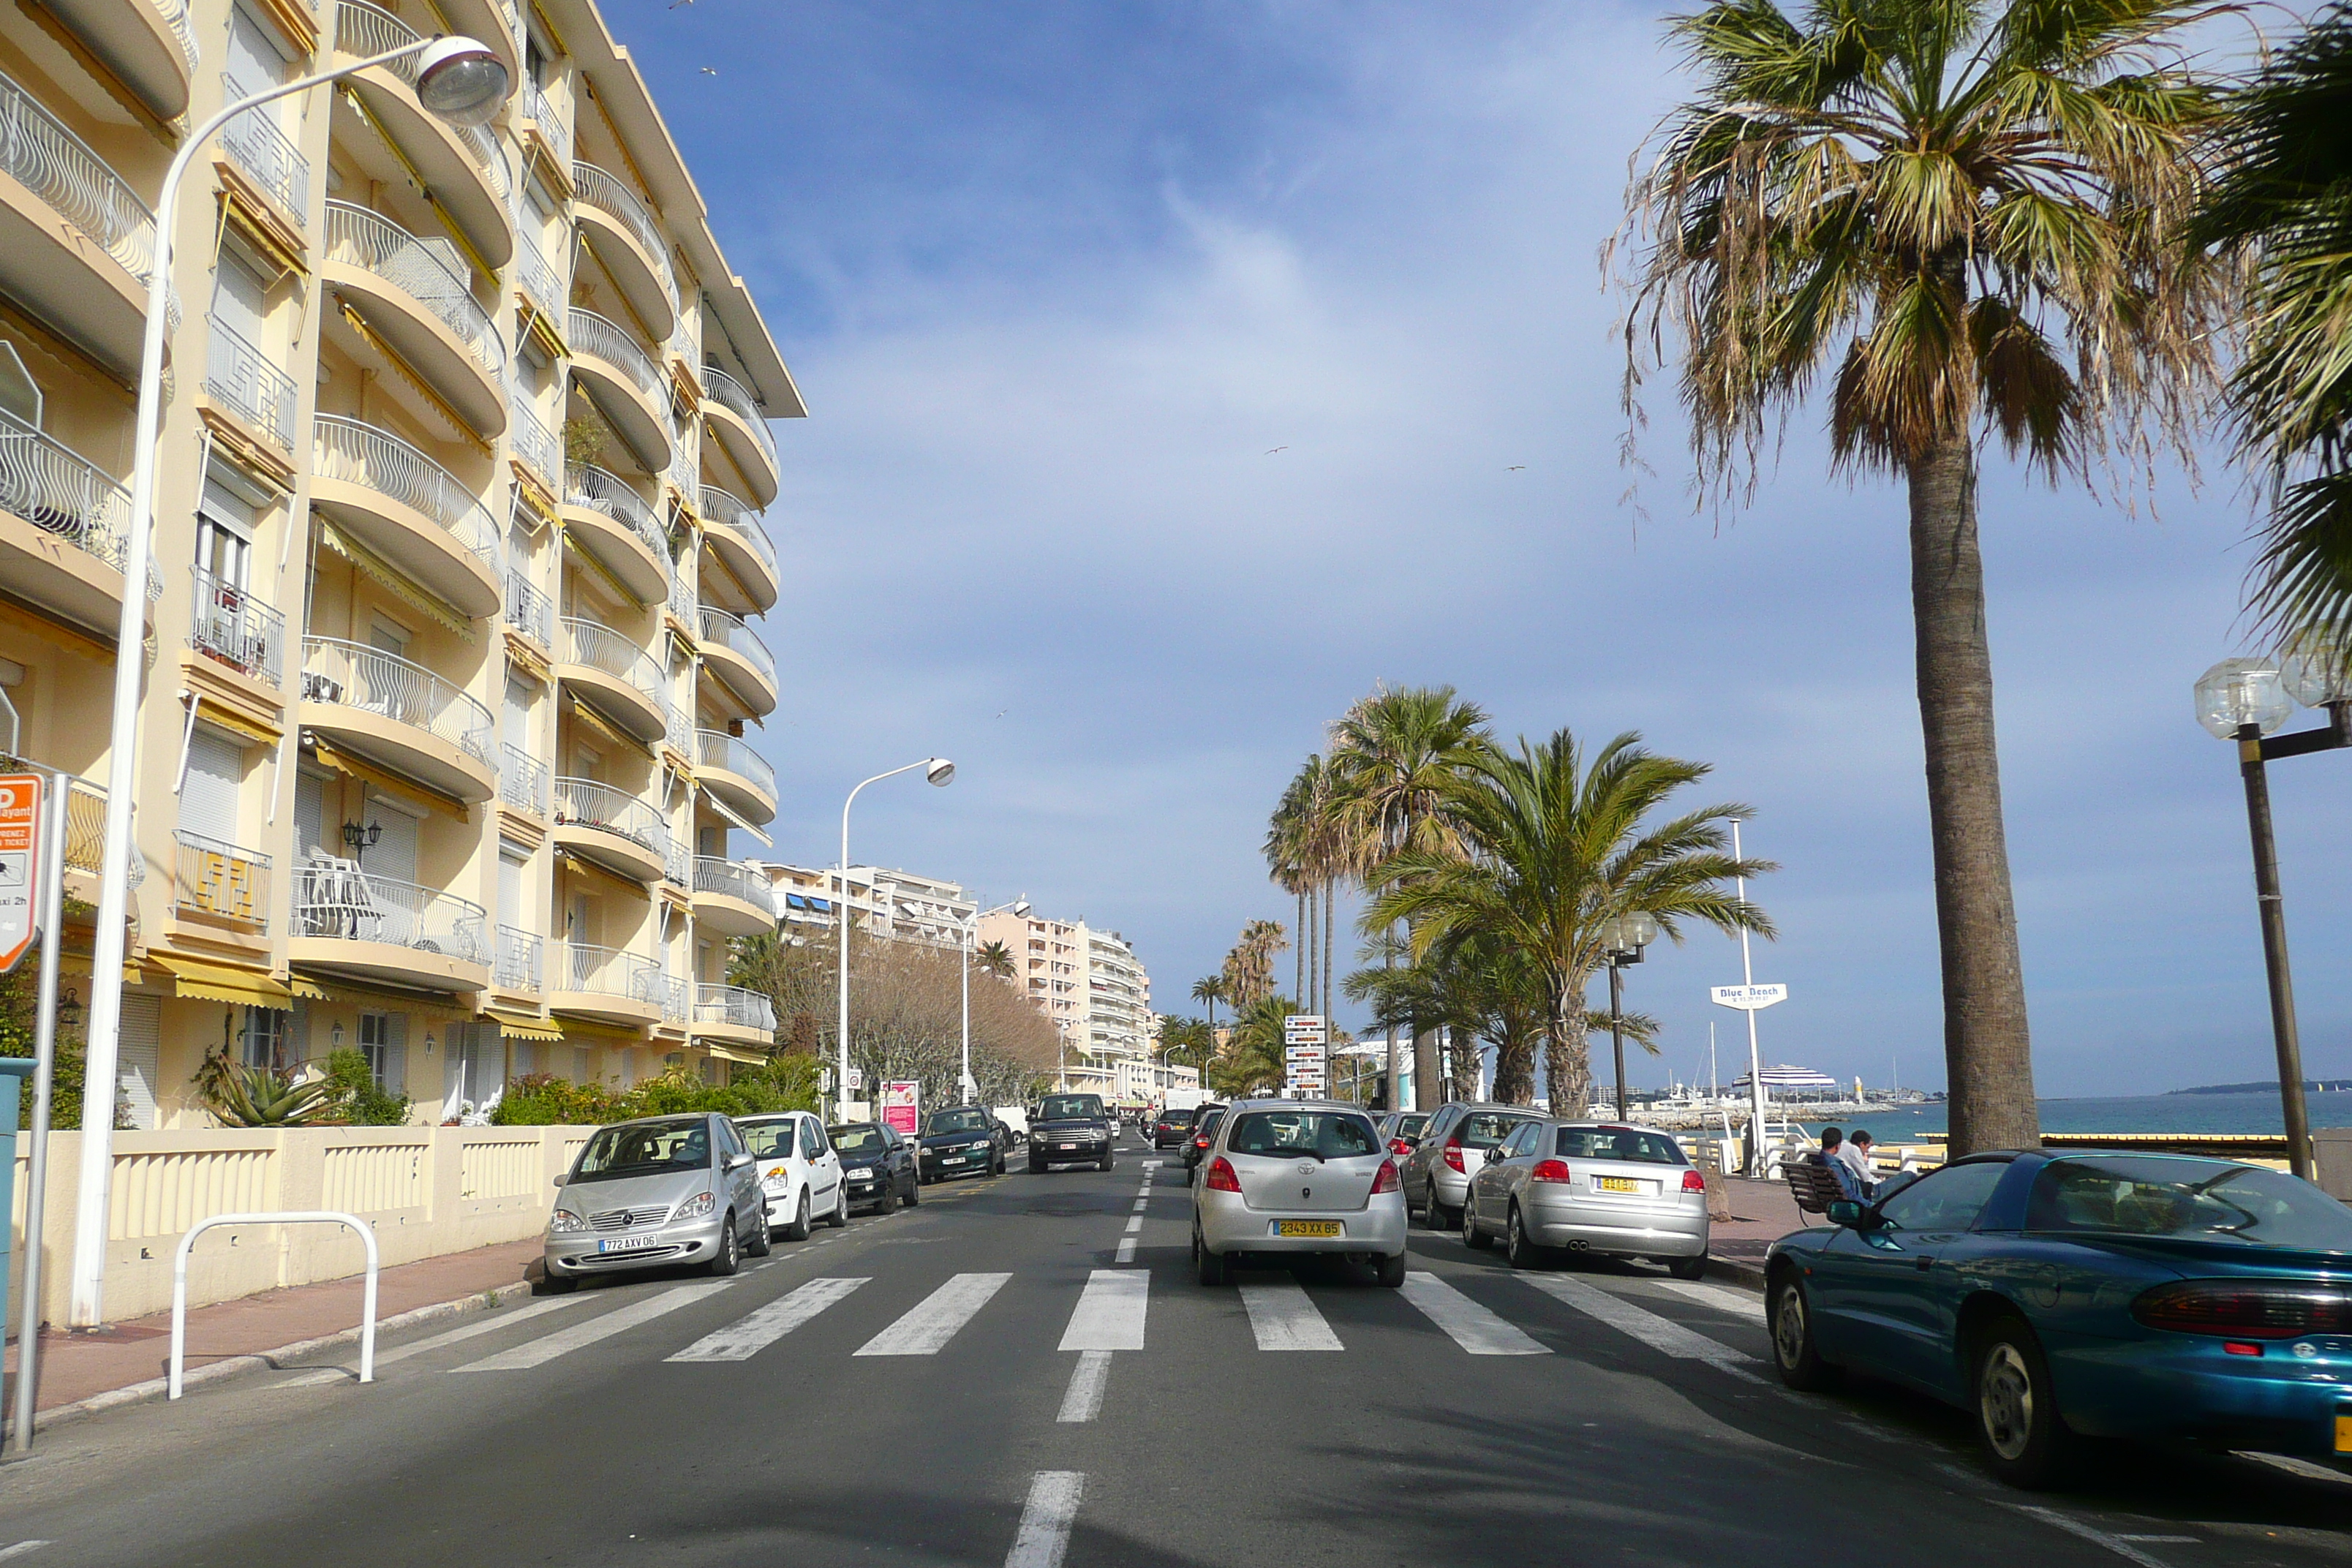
<point>2090,1532</point>
<point>319,1379</point>
<point>1470,1325</point>
<point>1284,1317</point>
<point>932,1322</point>
<point>1083,1401</point>
<point>1109,1313</point>
<point>644,1310</point>
<point>20,1548</point>
<point>1151,1165</point>
<point>755,1332</point>
<point>1134,1224</point>
<point>2161,1540</point>
<point>487,1325</point>
<point>1738,1302</point>
<point>1661,1334</point>
<point>2296,1467</point>
<point>1046,1520</point>
<point>1126,1250</point>
<point>1140,1204</point>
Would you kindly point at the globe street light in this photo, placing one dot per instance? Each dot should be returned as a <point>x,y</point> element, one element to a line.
<point>1622,939</point>
<point>936,771</point>
<point>457,79</point>
<point>1019,908</point>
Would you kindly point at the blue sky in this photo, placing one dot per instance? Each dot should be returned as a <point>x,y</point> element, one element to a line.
<point>1056,279</point>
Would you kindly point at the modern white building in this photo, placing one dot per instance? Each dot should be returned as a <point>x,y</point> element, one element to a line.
<point>898,906</point>
<point>1096,991</point>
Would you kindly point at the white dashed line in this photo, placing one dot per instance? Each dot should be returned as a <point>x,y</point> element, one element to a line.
<point>2090,1532</point>
<point>1083,1401</point>
<point>1046,1519</point>
<point>1126,1250</point>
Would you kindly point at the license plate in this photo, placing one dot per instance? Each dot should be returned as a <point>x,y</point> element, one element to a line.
<point>629,1244</point>
<point>2344,1431</point>
<point>1307,1227</point>
<point>1065,1146</point>
<point>953,1160</point>
<point>1616,1184</point>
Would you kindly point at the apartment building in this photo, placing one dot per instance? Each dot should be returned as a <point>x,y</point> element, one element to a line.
<point>1088,982</point>
<point>458,544</point>
<point>899,906</point>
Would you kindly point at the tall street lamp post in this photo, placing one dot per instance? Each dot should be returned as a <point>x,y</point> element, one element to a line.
<point>458,80</point>
<point>2244,700</point>
<point>1624,939</point>
<point>1019,908</point>
<point>936,771</point>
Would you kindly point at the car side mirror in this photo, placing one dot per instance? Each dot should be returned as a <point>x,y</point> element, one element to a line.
<point>561,1178</point>
<point>736,1162</point>
<point>1848,1213</point>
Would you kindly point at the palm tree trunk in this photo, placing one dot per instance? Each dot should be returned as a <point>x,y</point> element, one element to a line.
<point>1324,991</point>
<point>1568,1066</point>
<point>1298,968</point>
<point>1988,1053</point>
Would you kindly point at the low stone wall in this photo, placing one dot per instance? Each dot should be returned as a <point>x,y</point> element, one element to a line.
<point>425,1190</point>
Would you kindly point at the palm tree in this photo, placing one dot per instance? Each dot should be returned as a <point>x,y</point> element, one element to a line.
<point>1553,849</point>
<point>1249,967</point>
<point>1251,1062</point>
<point>1210,989</point>
<point>1288,849</point>
<point>995,958</point>
<point>1918,193</point>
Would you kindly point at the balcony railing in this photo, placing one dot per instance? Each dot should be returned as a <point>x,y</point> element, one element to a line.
<point>585,485</point>
<point>529,611</point>
<point>534,442</point>
<point>724,511</point>
<point>730,632</point>
<point>685,460</point>
<point>374,243</point>
<point>59,166</point>
<point>361,29</point>
<point>256,145</point>
<point>538,279</point>
<point>520,954</point>
<point>713,874</point>
<point>681,597</point>
<point>678,998</point>
<point>522,780</point>
<point>736,1005</point>
<point>353,674</point>
<point>237,628</point>
<point>86,830</point>
<point>218,878</point>
<point>175,14</point>
<point>61,492</point>
<point>728,393</point>
<point>360,454</point>
<point>255,391</point>
<point>678,865</point>
<point>332,898</point>
<point>599,647</point>
<point>720,750</point>
<point>552,125</point>
<point>609,971</point>
<point>592,334</point>
<point>608,194</point>
<point>584,802</point>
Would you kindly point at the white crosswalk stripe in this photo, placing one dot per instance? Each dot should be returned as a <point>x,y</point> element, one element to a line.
<point>1126,1250</point>
<point>545,1349</point>
<point>1082,1401</point>
<point>1741,1303</point>
<point>1284,1317</point>
<point>749,1335</point>
<point>1661,1334</point>
<point>1470,1325</point>
<point>932,1322</point>
<point>488,1325</point>
<point>1110,1311</point>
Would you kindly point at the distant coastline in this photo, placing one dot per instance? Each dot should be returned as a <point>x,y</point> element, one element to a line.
<point>2269,1085</point>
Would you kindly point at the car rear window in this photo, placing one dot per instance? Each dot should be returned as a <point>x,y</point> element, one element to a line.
<point>1209,1124</point>
<point>1335,1135</point>
<point>1411,1126</point>
<point>1618,1143</point>
<point>1070,1106</point>
<point>2205,1200</point>
<point>1485,1129</point>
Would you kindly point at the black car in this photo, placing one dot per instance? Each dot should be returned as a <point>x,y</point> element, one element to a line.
<point>1173,1128</point>
<point>1204,1132</point>
<point>1069,1129</point>
<point>878,1166</point>
<point>961,1141</point>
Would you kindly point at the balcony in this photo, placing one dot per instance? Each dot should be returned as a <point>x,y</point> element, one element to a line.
<point>240,378</point>
<point>221,881</point>
<point>620,378</point>
<point>64,529</point>
<point>406,506</point>
<point>86,840</point>
<point>522,780</point>
<point>736,535</point>
<point>351,921</point>
<point>531,104</point>
<point>743,430</point>
<point>734,1013</point>
<point>737,774</point>
<point>417,296</point>
<point>401,716</point>
<point>616,525</point>
<point>615,829</point>
<point>732,900</point>
<point>606,983</point>
<point>736,652</point>
<point>521,956</point>
<point>529,611</point>
<point>460,165</point>
<point>624,236</point>
<point>269,157</point>
<point>231,625</point>
<point>76,242</point>
<point>148,45</point>
<point>497,22</point>
<point>618,677</point>
<point>533,441</point>
<point>681,598</point>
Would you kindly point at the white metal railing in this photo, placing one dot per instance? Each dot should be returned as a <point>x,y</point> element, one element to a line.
<point>222,878</point>
<point>736,1005</point>
<point>59,491</point>
<point>599,647</point>
<point>721,750</point>
<point>483,145</point>
<point>591,333</point>
<point>361,29</point>
<point>237,628</point>
<point>254,141</point>
<point>538,279</point>
<point>681,597</point>
<point>529,611</point>
<point>607,195</point>
<point>685,460</point>
<point>360,454</point>
<point>739,520</point>
<point>86,830</point>
<point>584,802</point>
<point>716,874</point>
<point>609,971</point>
<point>552,125</point>
<point>730,632</point>
<point>59,167</point>
<point>585,485</point>
<point>728,393</point>
<point>678,865</point>
<point>255,390</point>
<point>353,674</point>
<point>332,899</point>
<point>533,441</point>
<point>678,999</point>
<point>677,728</point>
<point>521,954</point>
<point>374,243</point>
<point>288,1217</point>
<point>522,779</point>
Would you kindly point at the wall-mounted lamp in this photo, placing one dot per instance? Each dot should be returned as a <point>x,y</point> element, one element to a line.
<point>70,1008</point>
<point>336,1034</point>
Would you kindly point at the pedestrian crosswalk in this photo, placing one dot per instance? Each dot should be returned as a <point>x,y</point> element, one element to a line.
<point>931,1325</point>
<point>747,1336</point>
<point>579,1336</point>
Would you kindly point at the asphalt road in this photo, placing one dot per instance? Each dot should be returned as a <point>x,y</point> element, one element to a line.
<point>1002,1387</point>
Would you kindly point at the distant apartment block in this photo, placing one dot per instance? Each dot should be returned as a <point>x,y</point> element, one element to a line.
<point>1088,982</point>
<point>896,906</point>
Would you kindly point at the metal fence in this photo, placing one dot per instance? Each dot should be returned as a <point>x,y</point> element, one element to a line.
<point>720,750</point>
<point>354,675</point>
<point>734,1004</point>
<point>716,874</point>
<point>358,453</point>
<point>729,394</point>
<point>428,271</point>
<point>552,125</point>
<point>538,279</point>
<point>584,802</point>
<point>599,647</point>
<point>534,443</point>
<point>606,194</point>
<point>587,486</point>
<point>256,144</point>
<point>521,954</point>
<point>591,333</point>
<point>59,167</point>
<point>61,492</point>
<point>738,519</point>
<point>529,611</point>
<point>609,971</point>
<point>237,628</point>
<point>221,878</point>
<point>522,780</point>
<point>332,899</point>
<point>242,376</point>
<point>730,632</point>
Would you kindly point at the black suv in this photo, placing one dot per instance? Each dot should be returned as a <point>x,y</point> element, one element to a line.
<point>1173,1128</point>
<point>1069,1129</point>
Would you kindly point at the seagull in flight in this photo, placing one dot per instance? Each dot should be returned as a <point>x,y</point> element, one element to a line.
<point>1282,448</point>
<point>1513,469</point>
<point>708,71</point>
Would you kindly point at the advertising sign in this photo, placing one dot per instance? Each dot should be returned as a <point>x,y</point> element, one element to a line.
<point>1749,998</point>
<point>20,819</point>
<point>901,1111</point>
<point>1304,1030</point>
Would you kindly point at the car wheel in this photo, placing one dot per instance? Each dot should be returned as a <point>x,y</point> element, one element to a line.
<point>1790,1314</point>
<point>552,1284</point>
<point>1439,1216</point>
<point>1106,1163</point>
<point>889,1203</point>
<point>763,1240</point>
<point>915,1196</point>
<point>799,1229</point>
<point>730,1257</point>
<point>1518,1246</point>
<point>1392,1271</point>
<point>1472,1237</point>
<point>1687,1267</point>
<point>1209,1266</point>
<point>840,1215</point>
<point>2024,1438</point>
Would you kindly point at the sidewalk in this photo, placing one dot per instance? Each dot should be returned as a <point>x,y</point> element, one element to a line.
<point>1761,1213</point>
<point>75,1367</point>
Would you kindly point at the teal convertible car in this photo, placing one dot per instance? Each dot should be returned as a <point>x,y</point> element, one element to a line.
<point>2067,1297</point>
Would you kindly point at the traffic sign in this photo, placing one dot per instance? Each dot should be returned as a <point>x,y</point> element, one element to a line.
<point>1749,998</point>
<point>857,1080</point>
<point>1304,1030</point>
<point>20,836</point>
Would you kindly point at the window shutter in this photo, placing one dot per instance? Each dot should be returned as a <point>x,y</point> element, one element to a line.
<point>208,796</point>
<point>139,1057</point>
<point>396,1053</point>
<point>310,814</point>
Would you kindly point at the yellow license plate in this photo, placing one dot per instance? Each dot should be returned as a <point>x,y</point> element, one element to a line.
<point>1307,1227</point>
<point>1617,1183</point>
<point>2344,1431</point>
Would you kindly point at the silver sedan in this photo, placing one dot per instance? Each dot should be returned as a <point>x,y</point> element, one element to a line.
<point>661,1191</point>
<point>1289,1176</point>
<point>1590,1187</point>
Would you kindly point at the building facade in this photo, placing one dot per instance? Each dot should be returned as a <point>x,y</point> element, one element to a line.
<point>896,906</point>
<point>452,674</point>
<point>1096,991</point>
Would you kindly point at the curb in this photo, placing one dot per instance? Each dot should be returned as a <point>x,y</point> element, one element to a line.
<point>1736,1271</point>
<point>263,1360</point>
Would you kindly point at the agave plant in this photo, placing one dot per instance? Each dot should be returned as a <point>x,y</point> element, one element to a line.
<point>245,1096</point>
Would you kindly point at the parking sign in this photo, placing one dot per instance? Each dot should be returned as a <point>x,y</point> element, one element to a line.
<point>20,833</point>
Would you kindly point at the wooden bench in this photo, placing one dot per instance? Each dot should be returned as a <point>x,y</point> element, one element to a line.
<point>1814,1186</point>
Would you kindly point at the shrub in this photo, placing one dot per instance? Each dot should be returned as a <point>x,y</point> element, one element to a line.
<point>784,1082</point>
<point>355,1098</point>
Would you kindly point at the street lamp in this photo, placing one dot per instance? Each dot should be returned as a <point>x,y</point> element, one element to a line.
<point>2244,700</point>
<point>457,79</point>
<point>1020,910</point>
<point>937,771</point>
<point>1622,939</point>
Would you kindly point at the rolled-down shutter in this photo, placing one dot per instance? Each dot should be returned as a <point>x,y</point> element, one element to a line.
<point>139,1057</point>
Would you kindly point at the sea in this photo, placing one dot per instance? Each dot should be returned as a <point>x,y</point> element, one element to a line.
<point>2257,1112</point>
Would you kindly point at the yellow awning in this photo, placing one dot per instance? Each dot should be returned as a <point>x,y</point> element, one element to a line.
<point>230,719</point>
<point>583,864</point>
<point>391,783</point>
<point>589,559</point>
<point>611,1034</point>
<point>731,1054</point>
<point>522,1025</point>
<point>220,982</point>
<point>309,990</point>
<point>399,584</point>
<point>585,713</point>
<point>373,1000</point>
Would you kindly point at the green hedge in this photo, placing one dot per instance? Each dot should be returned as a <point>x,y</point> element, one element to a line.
<point>787,1082</point>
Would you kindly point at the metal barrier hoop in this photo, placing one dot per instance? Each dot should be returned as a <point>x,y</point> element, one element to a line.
<point>292,1216</point>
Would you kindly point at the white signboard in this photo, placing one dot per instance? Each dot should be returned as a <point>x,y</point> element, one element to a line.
<point>1304,1030</point>
<point>1749,998</point>
<point>857,1080</point>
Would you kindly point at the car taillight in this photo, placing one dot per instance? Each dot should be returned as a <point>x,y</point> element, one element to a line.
<point>1200,1143</point>
<point>2251,1309</point>
<point>1221,1176</point>
<point>1453,1154</point>
<point>1386,1181</point>
<point>1552,1171</point>
<point>1400,1148</point>
<point>1693,1181</point>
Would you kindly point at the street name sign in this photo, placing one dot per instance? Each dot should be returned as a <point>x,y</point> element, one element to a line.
<point>20,833</point>
<point>1749,998</point>
<point>1304,1030</point>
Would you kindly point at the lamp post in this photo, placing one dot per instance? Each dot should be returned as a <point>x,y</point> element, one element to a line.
<point>1622,940</point>
<point>2244,700</point>
<point>936,771</point>
<point>458,80</point>
<point>1020,907</point>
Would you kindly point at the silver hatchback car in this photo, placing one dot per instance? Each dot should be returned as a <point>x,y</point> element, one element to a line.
<point>1289,1176</point>
<point>1590,1187</point>
<point>661,1191</point>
